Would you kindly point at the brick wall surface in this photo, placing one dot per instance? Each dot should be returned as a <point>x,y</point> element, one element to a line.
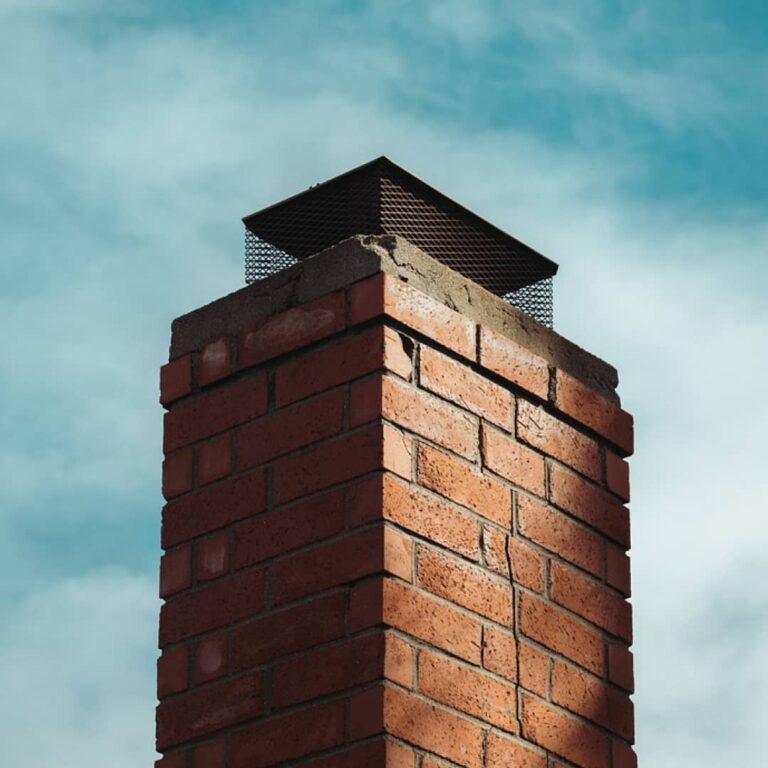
<point>393,537</point>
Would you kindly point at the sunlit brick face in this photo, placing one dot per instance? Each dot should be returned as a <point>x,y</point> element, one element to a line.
<point>394,536</point>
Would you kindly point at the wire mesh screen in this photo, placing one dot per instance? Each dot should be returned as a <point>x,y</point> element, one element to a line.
<point>381,198</point>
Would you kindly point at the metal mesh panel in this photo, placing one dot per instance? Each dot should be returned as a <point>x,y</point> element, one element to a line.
<point>382,198</point>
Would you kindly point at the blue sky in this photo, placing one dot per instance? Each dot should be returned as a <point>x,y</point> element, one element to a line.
<point>626,141</point>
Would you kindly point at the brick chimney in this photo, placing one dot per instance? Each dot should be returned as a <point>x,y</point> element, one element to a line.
<point>395,531</point>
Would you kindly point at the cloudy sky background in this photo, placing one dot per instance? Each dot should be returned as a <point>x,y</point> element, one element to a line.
<point>626,141</point>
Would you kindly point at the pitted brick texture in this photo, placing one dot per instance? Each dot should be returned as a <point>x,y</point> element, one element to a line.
<point>393,538</point>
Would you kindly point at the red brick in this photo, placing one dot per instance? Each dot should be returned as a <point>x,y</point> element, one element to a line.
<point>213,557</point>
<point>387,497</point>
<point>463,584</point>
<point>377,446</point>
<point>214,460</point>
<point>355,662</point>
<point>215,362</point>
<point>286,528</point>
<point>290,428</point>
<point>623,755</point>
<point>217,411</point>
<point>172,672</point>
<point>175,571</point>
<point>210,659</point>
<point>177,474</point>
<point>339,362</point>
<point>589,503</point>
<point>572,739</point>
<point>534,670</point>
<point>288,631</point>
<point>208,710</point>
<point>366,713</point>
<point>589,697</point>
<point>513,461</point>
<point>467,689</point>
<point>589,599</point>
<point>460,483</point>
<point>617,475</point>
<point>437,730</point>
<point>366,604</point>
<point>553,628</point>
<point>428,416</point>
<point>461,385</point>
<point>500,653</point>
<point>384,294</point>
<point>418,615</point>
<point>605,417</point>
<point>502,550</point>
<point>501,752</point>
<point>555,532</point>
<point>376,754</point>
<point>176,379</point>
<point>617,571</point>
<point>374,550</point>
<point>398,661</point>
<point>210,755</point>
<point>621,666</point>
<point>214,508</point>
<point>212,606</point>
<point>514,362</point>
<point>291,330</point>
<point>176,760</point>
<point>548,434</point>
<point>288,737</point>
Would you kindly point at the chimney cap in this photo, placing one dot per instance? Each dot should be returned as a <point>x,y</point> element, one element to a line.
<point>380,197</point>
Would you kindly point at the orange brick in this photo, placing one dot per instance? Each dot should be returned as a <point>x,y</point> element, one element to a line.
<point>377,446</point>
<point>416,614</point>
<point>389,498</point>
<point>555,532</point>
<point>468,690</point>
<point>501,752</point>
<point>428,416</point>
<point>553,628</point>
<point>380,549</point>
<point>419,722</point>
<point>384,294</point>
<point>459,482</point>
<point>503,551</point>
<point>215,362</point>
<point>514,362</point>
<point>617,475</point>
<point>556,731</point>
<point>458,383</point>
<point>291,330</point>
<point>339,362</point>
<point>500,653</point>
<point>589,503</point>
<point>513,461</point>
<point>548,434</point>
<point>534,670</point>
<point>463,584</point>
<point>621,667</point>
<point>617,570</point>
<point>290,428</point>
<point>582,403</point>
<point>588,598</point>
<point>589,697</point>
<point>277,739</point>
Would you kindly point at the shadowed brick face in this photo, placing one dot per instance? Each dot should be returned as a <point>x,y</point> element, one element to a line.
<point>394,537</point>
